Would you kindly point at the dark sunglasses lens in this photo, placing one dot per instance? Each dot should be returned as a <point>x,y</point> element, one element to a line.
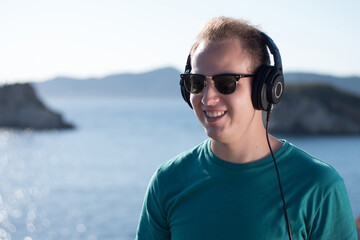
<point>194,83</point>
<point>225,84</point>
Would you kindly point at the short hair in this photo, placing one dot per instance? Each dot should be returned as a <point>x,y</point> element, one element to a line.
<point>223,28</point>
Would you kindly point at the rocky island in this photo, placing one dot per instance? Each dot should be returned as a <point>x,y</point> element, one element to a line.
<point>316,109</point>
<point>20,108</point>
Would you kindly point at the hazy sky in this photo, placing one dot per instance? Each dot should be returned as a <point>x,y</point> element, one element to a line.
<point>42,39</point>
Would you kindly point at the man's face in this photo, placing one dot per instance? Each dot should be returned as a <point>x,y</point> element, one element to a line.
<point>226,118</point>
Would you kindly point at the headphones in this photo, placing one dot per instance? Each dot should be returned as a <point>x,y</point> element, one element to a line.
<point>267,85</point>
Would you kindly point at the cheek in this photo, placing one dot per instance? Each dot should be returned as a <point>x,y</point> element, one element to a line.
<point>195,100</point>
<point>240,102</point>
<point>243,92</point>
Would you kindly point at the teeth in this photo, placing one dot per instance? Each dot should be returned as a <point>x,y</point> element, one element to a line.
<point>214,113</point>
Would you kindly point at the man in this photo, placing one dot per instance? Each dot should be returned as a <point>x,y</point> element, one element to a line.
<point>227,187</point>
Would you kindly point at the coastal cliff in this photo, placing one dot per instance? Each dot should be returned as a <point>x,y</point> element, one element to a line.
<point>316,109</point>
<point>20,108</point>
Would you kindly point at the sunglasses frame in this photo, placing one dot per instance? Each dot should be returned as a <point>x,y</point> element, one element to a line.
<point>237,77</point>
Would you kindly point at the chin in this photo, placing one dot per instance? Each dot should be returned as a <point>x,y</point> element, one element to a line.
<point>216,135</point>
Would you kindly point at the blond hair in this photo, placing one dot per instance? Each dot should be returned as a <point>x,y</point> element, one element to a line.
<point>222,28</point>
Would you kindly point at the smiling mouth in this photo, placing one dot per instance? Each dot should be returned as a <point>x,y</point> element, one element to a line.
<point>214,114</point>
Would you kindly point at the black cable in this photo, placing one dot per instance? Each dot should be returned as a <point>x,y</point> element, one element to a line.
<point>277,171</point>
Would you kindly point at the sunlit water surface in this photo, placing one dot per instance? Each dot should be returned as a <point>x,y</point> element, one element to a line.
<point>89,183</point>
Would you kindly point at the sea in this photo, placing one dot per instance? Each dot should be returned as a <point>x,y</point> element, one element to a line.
<point>89,182</point>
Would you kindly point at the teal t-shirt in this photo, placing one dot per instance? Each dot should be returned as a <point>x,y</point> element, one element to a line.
<point>196,196</point>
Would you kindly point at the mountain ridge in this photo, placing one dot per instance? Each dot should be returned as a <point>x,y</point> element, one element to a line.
<point>125,85</point>
<point>162,82</point>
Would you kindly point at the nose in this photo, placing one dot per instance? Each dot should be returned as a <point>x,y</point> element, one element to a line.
<point>210,95</point>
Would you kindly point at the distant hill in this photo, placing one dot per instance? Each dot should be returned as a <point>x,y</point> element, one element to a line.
<point>158,83</point>
<point>162,82</point>
<point>351,84</point>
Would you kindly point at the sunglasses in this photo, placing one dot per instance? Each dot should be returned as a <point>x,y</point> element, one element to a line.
<point>224,83</point>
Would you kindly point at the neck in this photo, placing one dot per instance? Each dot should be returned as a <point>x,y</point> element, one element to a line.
<point>246,149</point>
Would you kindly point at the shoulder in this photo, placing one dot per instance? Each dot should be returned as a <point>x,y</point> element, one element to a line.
<point>174,175</point>
<point>317,189</point>
<point>183,161</point>
<point>174,170</point>
<point>308,168</point>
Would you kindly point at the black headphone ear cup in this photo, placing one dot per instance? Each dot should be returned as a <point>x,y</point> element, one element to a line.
<point>258,93</point>
<point>275,86</point>
<point>184,93</point>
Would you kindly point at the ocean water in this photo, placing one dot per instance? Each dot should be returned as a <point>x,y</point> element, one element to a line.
<point>89,183</point>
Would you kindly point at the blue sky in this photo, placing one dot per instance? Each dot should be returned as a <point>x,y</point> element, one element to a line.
<point>42,39</point>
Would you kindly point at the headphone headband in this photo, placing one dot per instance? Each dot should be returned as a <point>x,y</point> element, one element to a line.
<point>273,50</point>
<point>188,64</point>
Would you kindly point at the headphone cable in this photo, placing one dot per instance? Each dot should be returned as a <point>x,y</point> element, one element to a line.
<point>268,110</point>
